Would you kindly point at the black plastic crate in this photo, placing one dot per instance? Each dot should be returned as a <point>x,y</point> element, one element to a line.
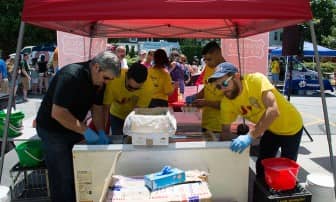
<point>29,184</point>
<point>262,193</point>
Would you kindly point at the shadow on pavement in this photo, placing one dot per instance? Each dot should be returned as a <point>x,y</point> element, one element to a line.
<point>323,162</point>
<point>304,151</point>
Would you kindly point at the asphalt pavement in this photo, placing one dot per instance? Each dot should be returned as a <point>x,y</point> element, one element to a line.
<point>313,155</point>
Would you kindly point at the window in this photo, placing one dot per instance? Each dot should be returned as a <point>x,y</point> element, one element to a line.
<point>275,36</point>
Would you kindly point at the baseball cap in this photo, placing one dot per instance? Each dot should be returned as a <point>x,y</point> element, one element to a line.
<point>221,70</point>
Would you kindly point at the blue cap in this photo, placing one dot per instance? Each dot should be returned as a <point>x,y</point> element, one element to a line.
<point>221,70</point>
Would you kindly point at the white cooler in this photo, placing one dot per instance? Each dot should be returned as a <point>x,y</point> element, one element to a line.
<point>321,186</point>
<point>4,194</point>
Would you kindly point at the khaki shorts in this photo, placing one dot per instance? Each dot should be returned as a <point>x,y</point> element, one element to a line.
<point>4,86</point>
<point>25,82</point>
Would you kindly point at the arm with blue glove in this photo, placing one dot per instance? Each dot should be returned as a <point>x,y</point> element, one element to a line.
<point>241,143</point>
<point>91,137</point>
<point>271,113</point>
<point>103,139</point>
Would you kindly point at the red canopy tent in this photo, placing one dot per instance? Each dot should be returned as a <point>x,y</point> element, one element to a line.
<point>167,19</point>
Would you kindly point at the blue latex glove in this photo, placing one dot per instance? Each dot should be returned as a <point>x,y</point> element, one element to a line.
<point>166,170</point>
<point>103,139</point>
<point>190,99</point>
<point>90,136</point>
<point>241,143</point>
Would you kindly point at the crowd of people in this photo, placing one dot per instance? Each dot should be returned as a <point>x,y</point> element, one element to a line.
<point>113,90</point>
<point>33,77</point>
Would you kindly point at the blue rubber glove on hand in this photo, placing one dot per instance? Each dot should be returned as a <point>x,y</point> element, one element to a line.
<point>90,136</point>
<point>241,143</point>
<point>103,139</point>
<point>190,99</point>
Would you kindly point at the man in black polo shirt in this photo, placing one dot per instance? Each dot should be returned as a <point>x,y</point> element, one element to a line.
<point>76,89</point>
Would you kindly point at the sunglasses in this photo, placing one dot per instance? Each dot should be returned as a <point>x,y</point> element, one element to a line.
<point>224,84</point>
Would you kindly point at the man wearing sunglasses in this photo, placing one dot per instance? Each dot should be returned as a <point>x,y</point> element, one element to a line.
<point>278,123</point>
<point>75,89</point>
<point>124,94</point>
<point>209,97</point>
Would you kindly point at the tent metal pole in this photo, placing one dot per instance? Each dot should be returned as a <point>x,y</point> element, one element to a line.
<point>324,104</point>
<point>11,97</point>
<point>286,73</point>
<point>238,51</point>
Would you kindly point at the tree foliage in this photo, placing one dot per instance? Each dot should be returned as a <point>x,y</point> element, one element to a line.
<point>191,48</point>
<point>10,19</point>
<point>324,12</point>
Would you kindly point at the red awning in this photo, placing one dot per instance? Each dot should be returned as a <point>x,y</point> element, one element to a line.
<point>166,18</point>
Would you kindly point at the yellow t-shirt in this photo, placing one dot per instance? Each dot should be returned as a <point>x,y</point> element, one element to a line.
<point>123,101</point>
<point>210,116</point>
<point>275,67</point>
<point>161,82</point>
<point>249,104</point>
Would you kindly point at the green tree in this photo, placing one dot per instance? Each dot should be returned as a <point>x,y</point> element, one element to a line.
<point>132,53</point>
<point>191,48</point>
<point>10,19</point>
<point>324,12</point>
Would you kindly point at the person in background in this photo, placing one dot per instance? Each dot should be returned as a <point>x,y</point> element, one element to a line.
<point>121,53</point>
<point>176,71</point>
<point>55,60</point>
<point>34,76</point>
<point>25,76</point>
<point>209,97</point>
<point>149,59</point>
<point>10,68</point>
<point>142,56</point>
<point>186,69</point>
<point>160,79</point>
<point>75,89</point>
<point>252,96</point>
<point>132,91</point>
<point>275,70</point>
<point>3,77</point>
<point>43,74</point>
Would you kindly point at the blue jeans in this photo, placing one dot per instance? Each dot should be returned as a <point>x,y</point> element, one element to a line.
<point>58,159</point>
<point>117,126</point>
<point>270,144</point>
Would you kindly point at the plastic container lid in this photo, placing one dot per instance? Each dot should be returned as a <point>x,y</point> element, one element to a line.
<point>320,179</point>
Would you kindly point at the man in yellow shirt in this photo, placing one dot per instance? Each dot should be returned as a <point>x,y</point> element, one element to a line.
<point>252,96</point>
<point>123,94</point>
<point>209,97</point>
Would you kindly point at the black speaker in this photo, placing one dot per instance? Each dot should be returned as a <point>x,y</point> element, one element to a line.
<point>292,40</point>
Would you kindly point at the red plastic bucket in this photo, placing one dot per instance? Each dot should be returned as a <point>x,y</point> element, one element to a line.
<point>280,173</point>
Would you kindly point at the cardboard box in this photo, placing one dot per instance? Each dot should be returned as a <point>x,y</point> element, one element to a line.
<point>150,126</point>
<point>159,180</point>
<point>132,189</point>
<point>150,139</point>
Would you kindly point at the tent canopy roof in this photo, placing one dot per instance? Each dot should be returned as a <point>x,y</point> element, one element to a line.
<point>308,50</point>
<point>165,18</point>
